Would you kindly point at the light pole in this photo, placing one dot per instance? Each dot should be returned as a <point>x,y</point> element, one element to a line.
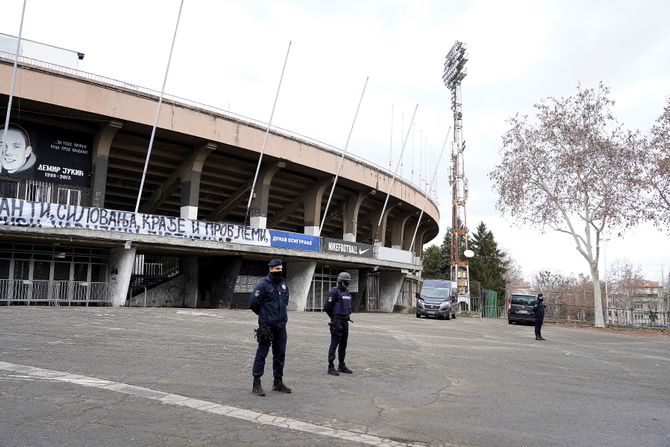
<point>453,74</point>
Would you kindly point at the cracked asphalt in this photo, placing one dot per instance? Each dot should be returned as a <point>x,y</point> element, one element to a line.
<point>464,382</point>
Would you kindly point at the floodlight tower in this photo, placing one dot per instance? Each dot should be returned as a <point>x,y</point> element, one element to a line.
<point>454,72</point>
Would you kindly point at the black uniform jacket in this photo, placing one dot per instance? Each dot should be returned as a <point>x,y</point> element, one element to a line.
<point>269,300</point>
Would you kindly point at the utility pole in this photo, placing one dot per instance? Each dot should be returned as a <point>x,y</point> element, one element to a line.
<point>453,74</point>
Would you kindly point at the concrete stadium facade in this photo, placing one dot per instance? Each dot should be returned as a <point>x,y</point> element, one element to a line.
<point>69,233</point>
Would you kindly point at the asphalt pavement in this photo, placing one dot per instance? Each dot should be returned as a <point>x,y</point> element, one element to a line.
<point>182,377</point>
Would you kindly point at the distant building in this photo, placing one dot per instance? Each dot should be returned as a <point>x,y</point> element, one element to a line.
<point>639,302</point>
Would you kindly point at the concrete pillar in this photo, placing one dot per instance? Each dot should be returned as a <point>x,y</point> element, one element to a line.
<point>121,261</point>
<point>261,195</point>
<point>418,243</point>
<point>313,200</point>
<point>190,181</point>
<point>191,288</point>
<point>398,236</point>
<point>350,211</point>
<point>299,280</point>
<point>100,161</point>
<point>380,236</point>
<point>390,285</point>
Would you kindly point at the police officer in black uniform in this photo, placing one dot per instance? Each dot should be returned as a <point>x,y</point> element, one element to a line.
<point>338,309</point>
<point>269,300</point>
<point>539,316</point>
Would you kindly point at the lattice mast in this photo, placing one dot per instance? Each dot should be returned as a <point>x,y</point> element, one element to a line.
<point>454,72</point>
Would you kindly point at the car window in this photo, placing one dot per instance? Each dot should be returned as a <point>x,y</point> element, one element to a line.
<point>523,300</point>
<point>436,292</point>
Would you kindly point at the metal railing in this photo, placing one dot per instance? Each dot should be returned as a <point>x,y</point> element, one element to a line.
<point>56,293</point>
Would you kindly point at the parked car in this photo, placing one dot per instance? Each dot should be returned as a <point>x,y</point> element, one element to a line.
<point>437,298</point>
<point>520,309</point>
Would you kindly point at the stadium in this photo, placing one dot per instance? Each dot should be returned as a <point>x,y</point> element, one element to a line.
<point>209,216</point>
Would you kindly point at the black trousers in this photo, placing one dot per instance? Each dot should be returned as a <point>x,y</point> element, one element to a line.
<point>278,353</point>
<point>538,327</point>
<point>338,342</point>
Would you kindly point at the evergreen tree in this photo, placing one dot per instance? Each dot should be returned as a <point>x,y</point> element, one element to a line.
<point>436,259</point>
<point>433,263</point>
<point>488,265</point>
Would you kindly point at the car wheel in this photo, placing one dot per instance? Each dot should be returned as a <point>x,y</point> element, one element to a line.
<point>448,316</point>
<point>418,315</point>
<point>453,315</point>
<point>510,321</point>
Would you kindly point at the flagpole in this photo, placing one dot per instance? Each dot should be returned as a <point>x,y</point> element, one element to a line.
<point>157,113</point>
<point>418,222</point>
<point>13,80</point>
<point>339,168</point>
<point>265,138</point>
<point>381,216</point>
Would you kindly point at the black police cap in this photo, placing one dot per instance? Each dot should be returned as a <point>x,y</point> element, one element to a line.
<point>274,263</point>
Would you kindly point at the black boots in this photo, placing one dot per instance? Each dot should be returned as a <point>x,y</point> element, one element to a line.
<point>258,389</point>
<point>343,369</point>
<point>279,386</point>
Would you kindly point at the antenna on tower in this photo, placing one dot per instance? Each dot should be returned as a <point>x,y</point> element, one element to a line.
<point>453,74</point>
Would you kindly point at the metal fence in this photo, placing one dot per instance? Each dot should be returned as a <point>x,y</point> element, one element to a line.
<point>573,312</point>
<point>56,293</point>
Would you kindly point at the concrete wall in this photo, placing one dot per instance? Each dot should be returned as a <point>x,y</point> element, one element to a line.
<point>168,294</point>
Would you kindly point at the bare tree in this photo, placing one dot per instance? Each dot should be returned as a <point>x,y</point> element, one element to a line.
<point>571,171</point>
<point>513,270</point>
<point>657,170</point>
<point>625,279</point>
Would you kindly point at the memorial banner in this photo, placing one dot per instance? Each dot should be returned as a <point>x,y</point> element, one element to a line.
<point>48,154</point>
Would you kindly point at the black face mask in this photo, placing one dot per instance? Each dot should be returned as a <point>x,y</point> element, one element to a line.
<point>276,275</point>
<point>344,283</point>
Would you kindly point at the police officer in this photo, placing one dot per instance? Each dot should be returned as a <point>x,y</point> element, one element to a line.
<point>539,316</point>
<point>338,309</point>
<point>269,300</point>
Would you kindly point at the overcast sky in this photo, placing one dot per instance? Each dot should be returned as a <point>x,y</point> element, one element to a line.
<point>229,54</point>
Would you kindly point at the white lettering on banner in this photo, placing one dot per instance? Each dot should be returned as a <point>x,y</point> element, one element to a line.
<point>16,212</point>
<point>342,248</point>
<point>292,240</point>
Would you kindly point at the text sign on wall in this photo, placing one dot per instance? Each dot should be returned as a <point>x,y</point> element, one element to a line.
<point>16,212</point>
<point>297,241</point>
<point>47,154</point>
<point>347,248</point>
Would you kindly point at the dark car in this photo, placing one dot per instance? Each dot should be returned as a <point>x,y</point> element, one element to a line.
<point>437,299</point>
<point>520,309</point>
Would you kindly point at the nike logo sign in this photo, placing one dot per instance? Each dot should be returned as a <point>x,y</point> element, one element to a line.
<point>361,252</point>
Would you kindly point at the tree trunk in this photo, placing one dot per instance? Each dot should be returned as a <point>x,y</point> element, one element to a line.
<point>597,299</point>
